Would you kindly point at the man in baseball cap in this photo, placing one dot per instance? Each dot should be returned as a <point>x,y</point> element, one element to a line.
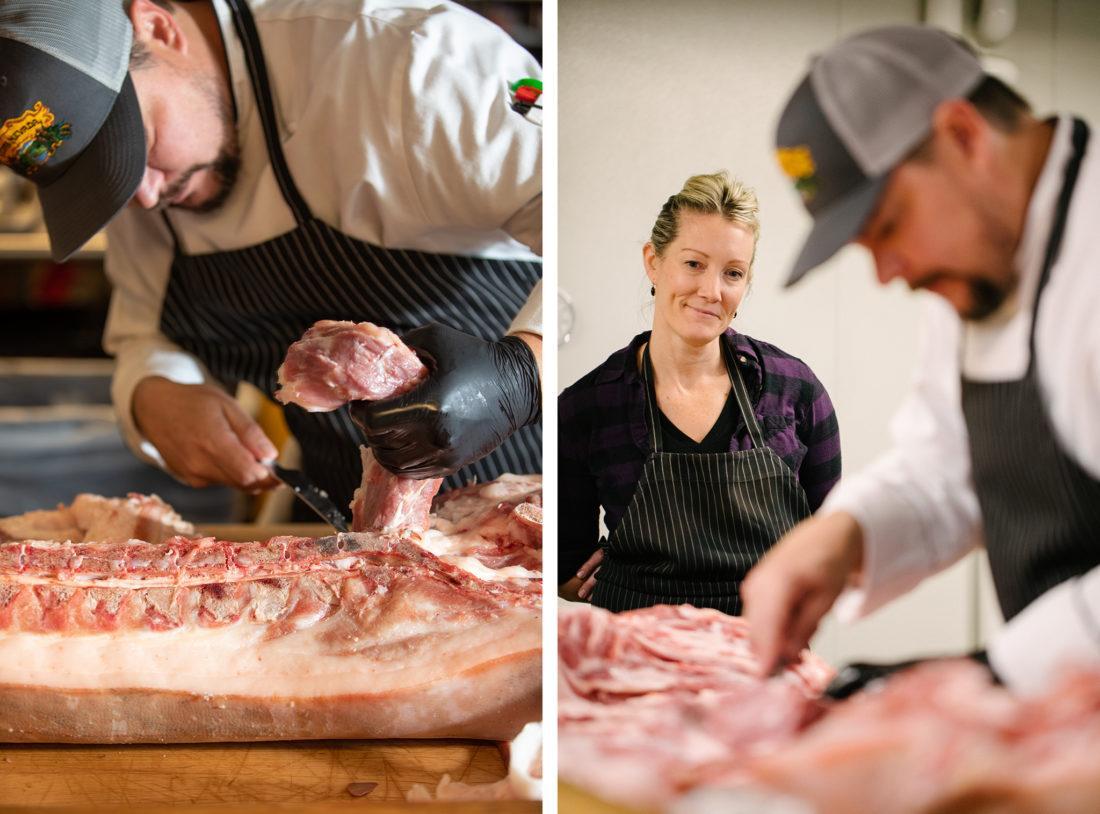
<point>897,140</point>
<point>69,117</point>
<point>289,162</point>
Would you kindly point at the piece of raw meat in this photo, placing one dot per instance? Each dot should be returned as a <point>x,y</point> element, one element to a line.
<point>491,527</point>
<point>96,518</point>
<point>387,503</point>
<point>651,702</point>
<point>337,362</point>
<point>941,738</point>
<point>348,636</point>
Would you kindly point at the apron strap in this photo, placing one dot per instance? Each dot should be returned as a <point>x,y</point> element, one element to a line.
<point>740,391</point>
<point>743,400</point>
<point>651,402</point>
<point>1080,140</point>
<point>261,89</point>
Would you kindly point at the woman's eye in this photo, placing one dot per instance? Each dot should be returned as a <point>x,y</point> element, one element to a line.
<point>694,264</point>
<point>735,274</point>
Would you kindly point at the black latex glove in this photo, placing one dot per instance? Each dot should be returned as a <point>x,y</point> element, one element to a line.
<point>855,677</point>
<point>477,394</point>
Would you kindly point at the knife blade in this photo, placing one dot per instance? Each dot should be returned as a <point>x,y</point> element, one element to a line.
<point>317,499</point>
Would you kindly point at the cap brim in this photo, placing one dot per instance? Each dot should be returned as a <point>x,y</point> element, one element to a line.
<point>835,226</point>
<point>101,180</point>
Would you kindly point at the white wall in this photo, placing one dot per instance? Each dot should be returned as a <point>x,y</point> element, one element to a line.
<point>652,92</point>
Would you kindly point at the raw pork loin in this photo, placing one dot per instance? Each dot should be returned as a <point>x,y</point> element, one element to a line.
<point>350,636</point>
<point>100,519</point>
<point>337,362</point>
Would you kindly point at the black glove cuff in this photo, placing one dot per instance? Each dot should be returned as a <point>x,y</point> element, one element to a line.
<point>528,399</point>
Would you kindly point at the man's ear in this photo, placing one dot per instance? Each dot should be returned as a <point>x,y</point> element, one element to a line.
<point>156,28</point>
<point>962,130</point>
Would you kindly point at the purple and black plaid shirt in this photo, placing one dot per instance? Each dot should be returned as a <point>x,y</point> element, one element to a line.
<point>603,437</point>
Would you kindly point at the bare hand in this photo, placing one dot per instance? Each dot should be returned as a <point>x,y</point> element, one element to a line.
<point>794,585</point>
<point>587,573</point>
<point>580,587</point>
<point>203,434</point>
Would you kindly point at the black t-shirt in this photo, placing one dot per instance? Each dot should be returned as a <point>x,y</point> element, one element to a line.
<point>717,440</point>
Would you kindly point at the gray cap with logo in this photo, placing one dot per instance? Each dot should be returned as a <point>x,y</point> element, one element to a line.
<point>865,104</point>
<point>69,117</point>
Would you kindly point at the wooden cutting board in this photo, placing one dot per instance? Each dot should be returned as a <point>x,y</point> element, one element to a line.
<point>136,777</point>
<point>303,776</point>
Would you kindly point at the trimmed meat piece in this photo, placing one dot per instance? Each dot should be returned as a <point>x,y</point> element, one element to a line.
<point>92,517</point>
<point>139,517</point>
<point>45,524</point>
<point>337,361</point>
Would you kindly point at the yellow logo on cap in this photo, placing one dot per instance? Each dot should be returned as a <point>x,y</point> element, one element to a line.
<point>799,166</point>
<point>29,140</point>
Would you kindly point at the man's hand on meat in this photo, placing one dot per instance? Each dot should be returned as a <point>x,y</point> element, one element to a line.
<point>478,393</point>
<point>203,434</point>
<point>796,583</point>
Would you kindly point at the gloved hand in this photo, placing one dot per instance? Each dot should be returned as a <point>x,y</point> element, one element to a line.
<point>477,394</point>
<point>855,677</point>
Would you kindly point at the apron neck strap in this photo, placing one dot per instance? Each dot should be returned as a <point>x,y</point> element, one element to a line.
<point>740,391</point>
<point>1080,140</point>
<point>261,89</point>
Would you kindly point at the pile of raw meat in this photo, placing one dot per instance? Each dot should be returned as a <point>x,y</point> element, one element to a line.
<point>941,739</point>
<point>651,702</point>
<point>659,709</point>
<point>117,626</point>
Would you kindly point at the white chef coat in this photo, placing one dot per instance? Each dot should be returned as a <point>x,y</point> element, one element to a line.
<point>396,124</point>
<point>917,505</point>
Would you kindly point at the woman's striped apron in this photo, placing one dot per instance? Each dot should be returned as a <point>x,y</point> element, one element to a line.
<point>238,311</point>
<point>698,522</point>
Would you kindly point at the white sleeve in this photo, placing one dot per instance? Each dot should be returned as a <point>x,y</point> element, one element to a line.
<point>139,259</point>
<point>916,505</point>
<point>1060,629</point>
<point>474,162</point>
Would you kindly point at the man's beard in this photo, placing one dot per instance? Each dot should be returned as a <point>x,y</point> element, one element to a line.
<point>225,166</point>
<point>988,293</point>
<point>224,169</point>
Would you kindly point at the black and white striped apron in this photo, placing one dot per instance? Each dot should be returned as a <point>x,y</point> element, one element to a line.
<point>238,311</point>
<point>1040,509</point>
<point>698,521</point>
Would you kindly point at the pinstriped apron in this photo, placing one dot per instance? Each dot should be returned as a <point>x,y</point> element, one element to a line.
<point>1040,509</point>
<point>698,522</point>
<point>238,311</point>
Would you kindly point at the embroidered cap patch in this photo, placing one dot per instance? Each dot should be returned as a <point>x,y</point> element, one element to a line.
<point>29,140</point>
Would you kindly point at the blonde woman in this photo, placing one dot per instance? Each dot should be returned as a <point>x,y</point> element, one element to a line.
<point>702,445</point>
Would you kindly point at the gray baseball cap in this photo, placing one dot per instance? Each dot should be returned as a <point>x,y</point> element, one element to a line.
<point>865,104</point>
<point>69,117</point>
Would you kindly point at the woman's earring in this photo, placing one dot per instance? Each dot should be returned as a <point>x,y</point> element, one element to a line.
<point>652,290</point>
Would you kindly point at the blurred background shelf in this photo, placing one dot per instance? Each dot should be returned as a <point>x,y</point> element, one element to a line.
<point>36,245</point>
